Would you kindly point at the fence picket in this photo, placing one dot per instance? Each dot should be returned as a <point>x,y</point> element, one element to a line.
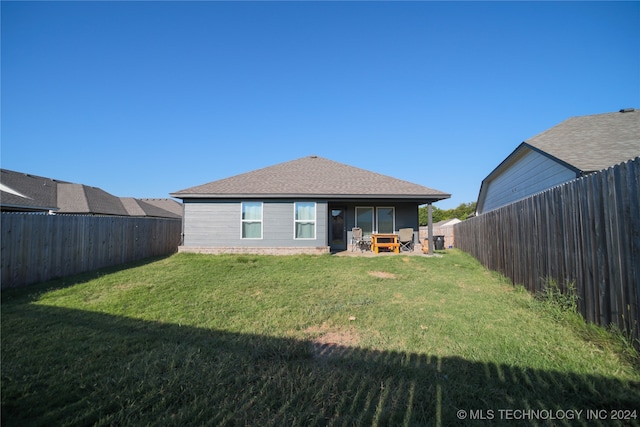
<point>586,231</point>
<point>37,247</point>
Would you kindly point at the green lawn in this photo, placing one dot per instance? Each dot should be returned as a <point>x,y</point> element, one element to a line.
<point>305,340</point>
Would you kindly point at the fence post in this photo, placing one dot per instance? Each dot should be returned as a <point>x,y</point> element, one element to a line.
<point>37,247</point>
<point>586,231</point>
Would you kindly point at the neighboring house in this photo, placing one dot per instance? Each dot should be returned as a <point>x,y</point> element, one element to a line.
<point>574,148</point>
<point>441,228</point>
<point>445,223</point>
<point>21,192</point>
<point>308,205</point>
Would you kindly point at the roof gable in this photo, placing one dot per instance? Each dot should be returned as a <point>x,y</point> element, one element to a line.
<point>582,145</point>
<point>311,176</point>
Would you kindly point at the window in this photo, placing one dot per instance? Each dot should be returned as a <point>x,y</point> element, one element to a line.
<point>364,220</point>
<point>305,220</point>
<point>386,223</point>
<point>252,220</point>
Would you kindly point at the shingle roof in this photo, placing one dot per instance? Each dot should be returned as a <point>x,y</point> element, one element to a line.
<point>311,176</point>
<point>583,144</point>
<point>132,206</point>
<point>167,205</point>
<point>29,192</point>
<point>446,222</point>
<point>24,192</point>
<point>163,208</point>
<point>82,199</point>
<point>595,142</point>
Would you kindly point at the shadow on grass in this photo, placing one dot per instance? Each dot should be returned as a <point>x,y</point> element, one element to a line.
<point>71,367</point>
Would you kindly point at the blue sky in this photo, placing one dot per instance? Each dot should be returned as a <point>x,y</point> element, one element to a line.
<point>145,98</point>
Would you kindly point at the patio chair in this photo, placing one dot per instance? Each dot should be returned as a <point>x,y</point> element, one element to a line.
<point>358,241</point>
<point>356,238</point>
<point>405,238</point>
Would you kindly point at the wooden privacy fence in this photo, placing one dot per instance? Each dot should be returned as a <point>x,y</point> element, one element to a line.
<point>585,232</point>
<point>35,248</point>
<point>446,231</point>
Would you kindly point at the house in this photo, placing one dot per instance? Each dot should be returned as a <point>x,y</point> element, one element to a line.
<point>308,205</point>
<point>446,223</point>
<point>574,148</point>
<point>21,192</point>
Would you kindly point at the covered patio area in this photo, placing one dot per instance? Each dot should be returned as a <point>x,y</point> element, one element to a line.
<point>417,251</point>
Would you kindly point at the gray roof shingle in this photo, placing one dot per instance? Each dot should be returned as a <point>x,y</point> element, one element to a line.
<point>132,206</point>
<point>166,205</point>
<point>82,199</point>
<point>595,142</point>
<point>158,207</point>
<point>29,192</point>
<point>24,192</point>
<point>312,176</point>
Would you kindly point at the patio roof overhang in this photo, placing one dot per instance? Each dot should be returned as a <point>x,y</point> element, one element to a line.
<point>419,199</point>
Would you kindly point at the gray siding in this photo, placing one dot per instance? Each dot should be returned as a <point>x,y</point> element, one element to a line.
<point>407,216</point>
<point>530,174</point>
<point>216,223</point>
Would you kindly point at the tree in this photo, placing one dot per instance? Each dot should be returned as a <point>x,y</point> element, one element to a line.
<point>463,211</point>
<point>437,214</point>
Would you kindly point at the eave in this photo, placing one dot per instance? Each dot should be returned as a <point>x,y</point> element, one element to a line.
<point>28,208</point>
<point>421,199</point>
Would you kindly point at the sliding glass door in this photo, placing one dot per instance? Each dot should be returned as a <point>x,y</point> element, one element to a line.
<point>385,216</point>
<point>364,220</point>
<point>382,222</point>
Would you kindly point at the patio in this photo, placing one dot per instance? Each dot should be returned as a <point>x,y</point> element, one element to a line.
<point>417,251</point>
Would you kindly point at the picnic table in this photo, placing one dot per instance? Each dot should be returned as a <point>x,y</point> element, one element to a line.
<point>386,241</point>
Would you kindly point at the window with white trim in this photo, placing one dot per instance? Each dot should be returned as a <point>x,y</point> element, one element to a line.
<point>386,219</point>
<point>304,220</point>
<point>252,220</point>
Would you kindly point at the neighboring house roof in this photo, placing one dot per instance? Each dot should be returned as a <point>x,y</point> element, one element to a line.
<point>586,143</point>
<point>582,144</point>
<point>446,222</point>
<point>312,176</point>
<point>592,143</point>
<point>82,199</point>
<point>25,192</point>
<point>166,205</point>
<point>165,208</point>
<point>132,206</point>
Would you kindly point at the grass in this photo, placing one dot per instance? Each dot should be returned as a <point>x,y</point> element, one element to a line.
<point>304,340</point>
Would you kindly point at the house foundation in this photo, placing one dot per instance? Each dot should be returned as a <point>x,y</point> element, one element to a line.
<point>256,250</point>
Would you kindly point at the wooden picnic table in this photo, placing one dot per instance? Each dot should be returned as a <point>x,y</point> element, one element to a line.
<point>385,240</point>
